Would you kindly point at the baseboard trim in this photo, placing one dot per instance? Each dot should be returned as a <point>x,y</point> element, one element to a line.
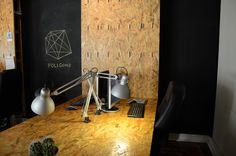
<point>197,138</point>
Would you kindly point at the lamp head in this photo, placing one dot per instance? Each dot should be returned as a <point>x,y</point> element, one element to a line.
<point>43,103</point>
<point>121,89</point>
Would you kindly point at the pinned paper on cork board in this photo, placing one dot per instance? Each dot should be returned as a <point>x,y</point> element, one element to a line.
<point>9,36</point>
<point>9,62</point>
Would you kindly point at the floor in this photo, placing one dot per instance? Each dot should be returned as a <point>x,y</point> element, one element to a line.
<point>174,148</point>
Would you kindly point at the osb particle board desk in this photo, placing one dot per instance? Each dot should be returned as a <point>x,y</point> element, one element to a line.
<point>106,134</point>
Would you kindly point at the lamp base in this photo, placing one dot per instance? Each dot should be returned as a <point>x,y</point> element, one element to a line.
<point>98,112</point>
<point>111,110</point>
<point>87,120</point>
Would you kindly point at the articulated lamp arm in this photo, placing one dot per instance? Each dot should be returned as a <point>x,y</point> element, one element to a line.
<point>43,104</point>
<point>75,82</point>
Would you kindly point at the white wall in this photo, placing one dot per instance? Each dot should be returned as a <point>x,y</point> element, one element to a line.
<point>224,132</point>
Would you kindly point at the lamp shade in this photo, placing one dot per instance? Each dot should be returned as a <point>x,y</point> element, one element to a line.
<point>121,89</point>
<point>43,104</point>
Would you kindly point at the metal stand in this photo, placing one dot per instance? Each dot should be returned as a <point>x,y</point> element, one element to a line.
<point>111,110</point>
<point>90,92</point>
<point>89,76</point>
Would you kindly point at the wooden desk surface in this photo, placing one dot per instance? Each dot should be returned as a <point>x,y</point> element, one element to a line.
<point>106,134</point>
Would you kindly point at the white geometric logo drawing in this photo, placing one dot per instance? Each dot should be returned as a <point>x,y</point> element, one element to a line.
<point>57,44</point>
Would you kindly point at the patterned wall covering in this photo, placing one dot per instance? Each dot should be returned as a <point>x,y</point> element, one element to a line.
<point>7,48</point>
<point>123,33</point>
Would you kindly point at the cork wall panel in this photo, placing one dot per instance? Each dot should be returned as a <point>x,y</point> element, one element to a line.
<point>123,33</point>
<point>7,48</point>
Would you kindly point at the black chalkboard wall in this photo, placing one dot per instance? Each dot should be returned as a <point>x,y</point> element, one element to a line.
<point>189,36</point>
<point>52,49</point>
